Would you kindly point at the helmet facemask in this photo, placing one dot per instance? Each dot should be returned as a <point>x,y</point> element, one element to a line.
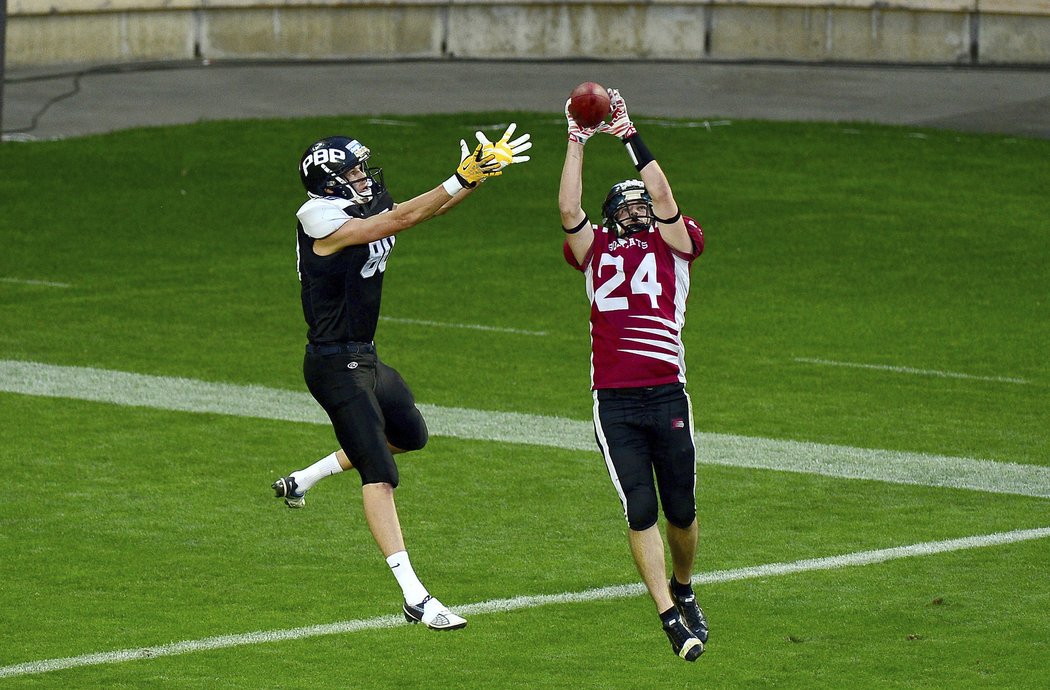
<point>633,217</point>
<point>628,209</point>
<point>359,183</point>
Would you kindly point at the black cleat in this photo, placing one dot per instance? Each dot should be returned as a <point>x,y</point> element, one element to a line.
<point>285,488</point>
<point>683,642</point>
<point>692,614</point>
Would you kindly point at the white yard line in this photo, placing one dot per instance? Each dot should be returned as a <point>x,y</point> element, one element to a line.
<point>910,370</point>
<point>525,602</point>
<point>44,283</point>
<point>189,395</point>
<point>468,326</point>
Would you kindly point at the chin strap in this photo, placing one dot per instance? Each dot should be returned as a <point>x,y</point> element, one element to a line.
<point>623,230</point>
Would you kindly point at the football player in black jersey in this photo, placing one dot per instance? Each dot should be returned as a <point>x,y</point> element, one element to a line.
<point>346,231</point>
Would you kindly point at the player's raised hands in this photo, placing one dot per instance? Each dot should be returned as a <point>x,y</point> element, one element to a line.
<point>577,132</point>
<point>506,151</point>
<point>476,166</point>
<point>620,125</point>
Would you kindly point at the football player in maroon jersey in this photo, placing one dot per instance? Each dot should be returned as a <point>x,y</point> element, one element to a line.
<point>636,263</point>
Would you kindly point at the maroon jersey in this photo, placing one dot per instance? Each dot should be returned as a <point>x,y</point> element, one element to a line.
<point>637,286</point>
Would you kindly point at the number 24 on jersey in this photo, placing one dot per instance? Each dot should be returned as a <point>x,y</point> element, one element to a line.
<point>643,282</point>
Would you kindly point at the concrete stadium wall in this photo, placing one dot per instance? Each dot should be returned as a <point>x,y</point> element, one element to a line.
<point>52,32</point>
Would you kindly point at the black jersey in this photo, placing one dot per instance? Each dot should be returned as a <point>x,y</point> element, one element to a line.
<point>341,293</point>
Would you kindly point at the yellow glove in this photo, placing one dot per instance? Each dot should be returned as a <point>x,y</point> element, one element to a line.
<point>507,152</point>
<point>476,167</point>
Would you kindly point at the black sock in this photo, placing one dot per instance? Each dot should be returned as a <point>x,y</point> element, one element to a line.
<point>669,616</point>
<point>679,589</point>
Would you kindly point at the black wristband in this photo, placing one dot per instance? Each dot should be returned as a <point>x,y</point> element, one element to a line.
<point>583,223</point>
<point>668,221</point>
<point>638,151</point>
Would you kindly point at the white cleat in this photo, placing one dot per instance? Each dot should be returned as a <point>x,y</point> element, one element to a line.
<point>433,614</point>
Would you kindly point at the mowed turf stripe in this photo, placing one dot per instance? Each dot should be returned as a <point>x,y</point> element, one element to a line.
<point>26,281</point>
<point>526,602</point>
<point>912,370</point>
<point>189,395</point>
<point>465,326</point>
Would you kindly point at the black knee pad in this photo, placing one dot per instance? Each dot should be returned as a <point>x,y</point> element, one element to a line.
<point>406,429</point>
<point>681,520</point>
<point>642,510</point>
<point>379,472</point>
<point>680,508</point>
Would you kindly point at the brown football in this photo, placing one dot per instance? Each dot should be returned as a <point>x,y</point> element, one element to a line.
<point>589,104</point>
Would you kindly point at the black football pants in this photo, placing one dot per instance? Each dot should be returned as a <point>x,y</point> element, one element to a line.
<point>647,432</point>
<point>369,404</point>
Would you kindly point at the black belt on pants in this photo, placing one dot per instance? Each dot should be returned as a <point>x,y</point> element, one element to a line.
<point>639,393</point>
<point>341,349</point>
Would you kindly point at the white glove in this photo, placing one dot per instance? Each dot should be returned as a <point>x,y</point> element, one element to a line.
<point>581,134</point>
<point>620,125</point>
<point>506,151</point>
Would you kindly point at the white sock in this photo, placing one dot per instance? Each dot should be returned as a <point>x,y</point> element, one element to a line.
<point>325,467</point>
<point>411,587</point>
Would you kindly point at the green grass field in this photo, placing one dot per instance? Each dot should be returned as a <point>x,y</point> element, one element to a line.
<point>865,287</point>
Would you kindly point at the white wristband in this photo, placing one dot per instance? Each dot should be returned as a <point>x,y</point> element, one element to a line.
<point>453,186</point>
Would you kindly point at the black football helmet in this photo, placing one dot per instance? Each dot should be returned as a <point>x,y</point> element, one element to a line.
<point>324,166</point>
<point>627,194</point>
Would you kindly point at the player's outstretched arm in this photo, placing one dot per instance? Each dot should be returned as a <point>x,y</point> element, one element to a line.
<point>472,170</point>
<point>580,234</point>
<point>668,218</point>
